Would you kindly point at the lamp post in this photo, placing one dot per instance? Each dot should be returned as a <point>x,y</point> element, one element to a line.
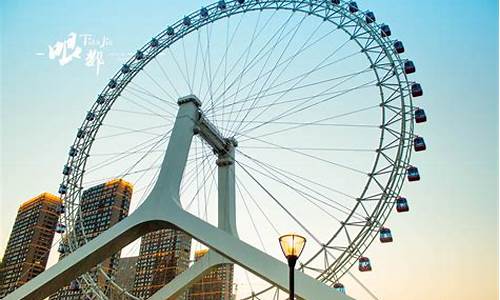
<point>292,246</point>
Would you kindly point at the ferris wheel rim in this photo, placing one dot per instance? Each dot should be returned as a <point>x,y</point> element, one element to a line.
<point>112,94</point>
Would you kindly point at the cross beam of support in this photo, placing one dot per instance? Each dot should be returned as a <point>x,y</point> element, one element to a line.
<point>162,209</point>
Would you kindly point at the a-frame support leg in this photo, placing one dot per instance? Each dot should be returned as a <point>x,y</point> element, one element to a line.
<point>162,210</point>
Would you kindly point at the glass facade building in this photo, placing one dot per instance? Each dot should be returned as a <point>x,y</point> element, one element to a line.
<point>30,241</point>
<point>163,255</point>
<point>101,207</point>
<point>215,285</point>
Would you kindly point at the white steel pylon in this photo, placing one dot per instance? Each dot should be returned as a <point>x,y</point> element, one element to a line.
<point>162,209</point>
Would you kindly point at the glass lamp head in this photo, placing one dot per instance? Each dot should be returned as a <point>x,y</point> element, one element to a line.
<point>292,245</point>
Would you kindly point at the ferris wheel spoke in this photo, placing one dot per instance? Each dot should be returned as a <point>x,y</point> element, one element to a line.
<point>268,54</point>
<point>240,77</point>
<point>188,81</point>
<point>310,149</point>
<point>326,94</point>
<point>119,153</point>
<point>172,55</point>
<point>153,167</point>
<point>261,54</point>
<point>288,90</point>
<point>145,190</point>
<point>137,149</point>
<point>130,169</point>
<point>288,62</point>
<point>155,82</point>
<point>263,92</point>
<point>273,69</point>
<point>256,230</point>
<point>194,173</point>
<point>212,188</point>
<point>259,206</point>
<point>204,76</point>
<point>129,152</point>
<point>281,34</point>
<point>292,216</point>
<point>223,60</point>
<point>126,111</point>
<point>145,108</point>
<point>195,67</point>
<point>141,171</point>
<point>312,123</point>
<point>369,126</point>
<point>197,196</point>
<point>245,53</point>
<point>206,172</point>
<point>309,156</point>
<point>165,74</point>
<point>296,176</point>
<point>134,152</point>
<point>249,282</point>
<point>299,108</point>
<point>306,196</point>
<point>273,173</point>
<point>295,88</point>
<point>129,132</point>
<point>209,92</point>
<point>307,74</point>
<point>136,88</point>
<point>126,131</point>
<point>135,164</point>
<point>305,105</point>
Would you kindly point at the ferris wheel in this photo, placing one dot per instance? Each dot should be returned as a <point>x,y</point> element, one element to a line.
<point>317,101</point>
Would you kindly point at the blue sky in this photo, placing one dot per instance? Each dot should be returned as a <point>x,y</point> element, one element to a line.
<point>446,248</point>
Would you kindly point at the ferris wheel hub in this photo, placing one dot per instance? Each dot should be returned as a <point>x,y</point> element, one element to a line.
<point>189,98</point>
<point>207,130</point>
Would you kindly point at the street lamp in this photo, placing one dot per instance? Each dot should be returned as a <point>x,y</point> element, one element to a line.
<point>292,246</point>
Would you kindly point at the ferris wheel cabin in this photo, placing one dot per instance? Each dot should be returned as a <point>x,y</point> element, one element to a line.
<point>409,67</point>
<point>369,17</point>
<point>74,285</point>
<point>413,174</point>
<point>399,47</point>
<point>420,116</point>
<point>353,7</point>
<point>61,209</point>
<point>385,235</point>
<point>66,170</point>
<point>62,248</point>
<point>416,90</point>
<point>222,5</point>
<point>385,30</point>
<point>63,189</point>
<point>402,205</point>
<point>339,287</point>
<point>60,228</point>
<point>204,12</point>
<point>419,144</point>
<point>364,264</point>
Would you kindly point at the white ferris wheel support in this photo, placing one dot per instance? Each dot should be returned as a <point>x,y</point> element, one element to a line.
<point>162,209</point>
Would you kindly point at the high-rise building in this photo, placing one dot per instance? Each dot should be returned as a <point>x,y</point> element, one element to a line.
<point>125,275</point>
<point>163,255</point>
<point>101,207</point>
<point>30,242</point>
<point>216,285</point>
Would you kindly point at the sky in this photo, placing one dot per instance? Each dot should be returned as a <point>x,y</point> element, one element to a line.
<point>445,248</point>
